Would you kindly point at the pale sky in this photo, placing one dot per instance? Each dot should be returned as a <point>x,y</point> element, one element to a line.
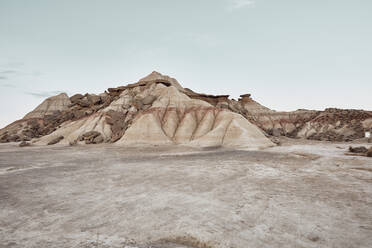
<point>288,54</point>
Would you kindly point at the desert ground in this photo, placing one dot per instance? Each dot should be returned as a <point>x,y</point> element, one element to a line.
<point>299,194</point>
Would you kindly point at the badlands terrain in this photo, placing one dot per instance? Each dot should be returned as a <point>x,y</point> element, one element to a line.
<point>300,194</point>
<point>154,164</point>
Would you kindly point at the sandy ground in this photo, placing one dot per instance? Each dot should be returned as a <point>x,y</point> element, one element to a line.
<point>295,195</point>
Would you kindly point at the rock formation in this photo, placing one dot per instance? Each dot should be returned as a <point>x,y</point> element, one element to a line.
<point>49,106</point>
<point>359,149</point>
<point>369,153</point>
<point>328,125</point>
<point>157,110</point>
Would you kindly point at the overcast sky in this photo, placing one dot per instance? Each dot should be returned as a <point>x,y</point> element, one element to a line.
<point>288,54</point>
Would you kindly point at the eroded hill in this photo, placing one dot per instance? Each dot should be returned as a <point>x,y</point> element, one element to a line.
<point>157,110</point>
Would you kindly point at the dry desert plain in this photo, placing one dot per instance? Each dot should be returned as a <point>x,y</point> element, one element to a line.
<point>299,194</point>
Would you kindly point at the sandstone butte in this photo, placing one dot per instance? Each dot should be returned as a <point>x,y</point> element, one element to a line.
<point>157,110</point>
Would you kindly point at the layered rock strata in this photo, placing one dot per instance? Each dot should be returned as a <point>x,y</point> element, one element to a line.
<point>157,110</point>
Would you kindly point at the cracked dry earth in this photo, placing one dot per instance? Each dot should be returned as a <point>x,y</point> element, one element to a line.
<point>295,195</point>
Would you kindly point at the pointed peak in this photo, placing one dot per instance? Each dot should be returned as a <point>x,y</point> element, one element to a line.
<point>153,76</point>
<point>61,95</point>
<point>156,76</point>
<point>155,73</point>
<point>49,106</point>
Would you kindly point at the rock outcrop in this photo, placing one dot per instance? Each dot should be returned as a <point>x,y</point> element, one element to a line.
<point>369,153</point>
<point>175,118</point>
<point>50,106</point>
<point>328,125</point>
<point>359,149</point>
<point>337,125</point>
<point>24,144</point>
<point>55,140</point>
<point>91,137</point>
<point>157,110</point>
